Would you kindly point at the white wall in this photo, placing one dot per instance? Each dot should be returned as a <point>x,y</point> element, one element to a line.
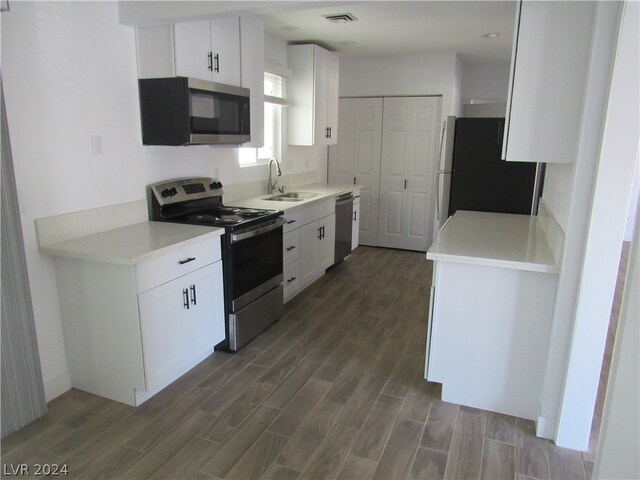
<point>632,215</point>
<point>569,193</point>
<point>605,234</point>
<point>69,72</point>
<point>413,74</point>
<point>619,441</point>
<point>558,185</point>
<point>485,82</point>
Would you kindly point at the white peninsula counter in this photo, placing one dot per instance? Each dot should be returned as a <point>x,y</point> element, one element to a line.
<point>492,297</point>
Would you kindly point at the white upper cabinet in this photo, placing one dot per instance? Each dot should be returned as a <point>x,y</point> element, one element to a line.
<point>209,49</point>
<point>192,42</point>
<point>313,94</point>
<point>549,64</point>
<point>252,67</point>
<point>206,49</point>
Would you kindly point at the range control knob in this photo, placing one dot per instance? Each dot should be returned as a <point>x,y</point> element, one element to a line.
<point>173,191</point>
<point>215,185</point>
<point>165,193</point>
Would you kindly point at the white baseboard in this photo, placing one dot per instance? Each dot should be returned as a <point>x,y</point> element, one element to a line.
<point>56,386</point>
<point>546,427</point>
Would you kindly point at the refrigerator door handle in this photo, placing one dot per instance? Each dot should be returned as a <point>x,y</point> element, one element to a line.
<point>438,196</point>
<point>438,183</point>
<point>444,130</point>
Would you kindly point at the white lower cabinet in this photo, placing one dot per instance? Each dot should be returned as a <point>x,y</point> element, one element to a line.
<point>317,243</point>
<point>308,245</point>
<point>487,336</point>
<point>355,230</point>
<point>310,254</point>
<point>131,330</point>
<point>291,280</point>
<point>290,260</point>
<point>176,326</point>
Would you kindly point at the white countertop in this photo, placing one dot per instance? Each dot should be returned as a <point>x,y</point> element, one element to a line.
<point>131,244</point>
<point>494,239</point>
<point>324,190</point>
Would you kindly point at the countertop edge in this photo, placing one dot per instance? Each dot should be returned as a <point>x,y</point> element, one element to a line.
<point>492,262</point>
<point>56,250</point>
<point>464,239</point>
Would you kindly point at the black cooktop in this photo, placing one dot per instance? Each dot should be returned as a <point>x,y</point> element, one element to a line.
<point>232,218</point>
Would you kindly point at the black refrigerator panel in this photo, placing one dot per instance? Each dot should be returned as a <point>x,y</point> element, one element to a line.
<point>481,180</point>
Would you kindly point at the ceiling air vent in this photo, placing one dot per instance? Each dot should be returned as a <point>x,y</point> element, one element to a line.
<point>341,18</point>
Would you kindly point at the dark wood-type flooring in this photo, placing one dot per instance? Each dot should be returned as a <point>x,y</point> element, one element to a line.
<point>335,389</point>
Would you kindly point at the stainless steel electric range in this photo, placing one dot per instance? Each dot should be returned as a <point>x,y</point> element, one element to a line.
<point>251,251</point>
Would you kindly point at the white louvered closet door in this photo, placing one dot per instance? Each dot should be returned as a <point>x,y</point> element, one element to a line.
<point>408,165</point>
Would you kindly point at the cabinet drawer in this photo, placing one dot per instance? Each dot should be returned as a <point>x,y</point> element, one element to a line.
<point>291,246</point>
<point>168,266</point>
<point>292,221</point>
<point>317,210</point>
<point>291,280</point>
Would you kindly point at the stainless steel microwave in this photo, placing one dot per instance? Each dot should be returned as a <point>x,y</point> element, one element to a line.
<point>190,111</point>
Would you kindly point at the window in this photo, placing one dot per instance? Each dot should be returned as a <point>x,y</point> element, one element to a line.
<point>274,99</point>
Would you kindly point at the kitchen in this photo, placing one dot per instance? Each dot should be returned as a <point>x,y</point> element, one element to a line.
<point>110,111</point>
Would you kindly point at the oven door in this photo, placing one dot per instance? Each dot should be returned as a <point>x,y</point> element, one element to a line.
<point>255,262</point>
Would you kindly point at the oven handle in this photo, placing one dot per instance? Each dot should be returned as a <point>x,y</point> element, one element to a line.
<point>237,237</point>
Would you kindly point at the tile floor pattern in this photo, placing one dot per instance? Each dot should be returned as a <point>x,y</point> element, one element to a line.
<point>333,390</point>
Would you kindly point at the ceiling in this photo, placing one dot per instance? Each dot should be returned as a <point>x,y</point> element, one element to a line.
<point>395,27</point>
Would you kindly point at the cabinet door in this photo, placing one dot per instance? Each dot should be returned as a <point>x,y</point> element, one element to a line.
<point>341,156</point>
<point>327,242</point>
<point>313,94</point>
<point>355,231</point>
<point>291,280</point>
<point>408,165</point>
<point>192,45</point>
<point>548,76</point>
<point>309,253</point>
<point>225,49</point>
<point>290,246</point>
<point>252,74</point>
<point>332,66</point>
<point>163,313</point>
<point>204,322</point>
<point>321,67</point>
<point>155,51</point>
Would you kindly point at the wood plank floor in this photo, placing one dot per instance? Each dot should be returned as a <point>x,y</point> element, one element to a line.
<point>333,390</point>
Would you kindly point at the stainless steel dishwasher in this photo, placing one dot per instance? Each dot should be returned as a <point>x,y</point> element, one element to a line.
<point>344,224</point>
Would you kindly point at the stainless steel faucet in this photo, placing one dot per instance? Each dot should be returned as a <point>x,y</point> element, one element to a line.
<point>270,184</point>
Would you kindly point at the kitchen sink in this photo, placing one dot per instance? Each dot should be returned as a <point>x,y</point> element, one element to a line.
<point>291,197</point>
